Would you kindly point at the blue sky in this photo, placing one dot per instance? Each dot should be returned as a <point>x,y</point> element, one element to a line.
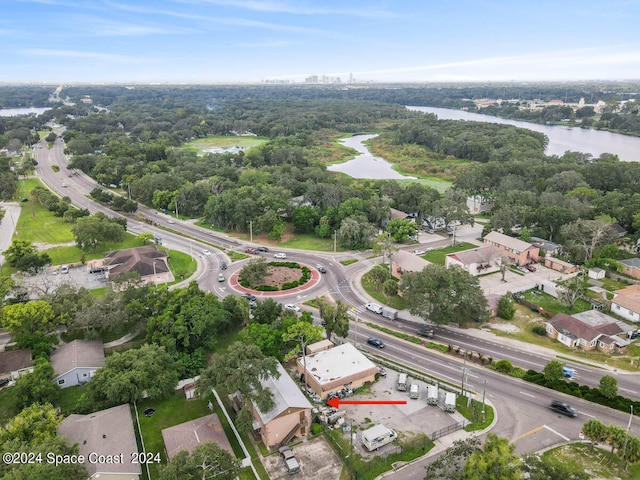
<point>229,41</point>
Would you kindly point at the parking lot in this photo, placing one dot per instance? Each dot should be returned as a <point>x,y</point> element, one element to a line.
<point>408,420</point>
<point>515,282</point>
<point>51,278</point>
<point>316,458</point>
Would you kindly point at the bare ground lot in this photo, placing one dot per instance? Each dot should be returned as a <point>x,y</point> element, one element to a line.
<point>317,461</point>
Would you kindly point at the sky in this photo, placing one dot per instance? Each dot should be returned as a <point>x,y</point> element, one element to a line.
<point>251,41</point>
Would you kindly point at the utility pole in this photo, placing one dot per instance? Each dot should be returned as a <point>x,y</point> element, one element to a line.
<point>464,372</point>
<point>484,387</point>
<point>626,439</point>
<point>335,240</point>
<point>304,360</point>
<point>251,230</point>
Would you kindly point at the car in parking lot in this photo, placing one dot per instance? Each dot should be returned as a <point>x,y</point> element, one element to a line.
<point>563,408</point>
<point>291,306</point>
<point>376,342</point>
<point>419,252</point>
<point>221,277</point>
<point>523,270</point>
<point>97,269</point>
<point>206,252</point>
<point>280,255</point>
<point>289,459</point>
<point>530,267</point>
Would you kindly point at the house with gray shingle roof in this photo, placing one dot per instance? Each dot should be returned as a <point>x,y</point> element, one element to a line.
<point>476,261</point>
<point>631,266</point>
<point>76,362</point>
<point>15,363</point>
<point>107,434</point>
<point>575,333</point>
<point>148,262</point>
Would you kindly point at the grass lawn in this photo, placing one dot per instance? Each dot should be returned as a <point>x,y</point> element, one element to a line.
<point>182,265</point>
<point>473,412</point>
<point>396,301</point>
<point>553,305</point>
<point>600,463</point>
<point>348,262</point>
<point>216,141</point>
<point>36,223</point>
<point>437,256</point>
<point>169,412</point>
<point>73,254</point>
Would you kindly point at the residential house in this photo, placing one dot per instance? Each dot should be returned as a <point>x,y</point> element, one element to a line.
<point>403,262</point>
<point>549,247</point>
<point>15,363</point>
<point>626,303</point>
<point>101,437</point>
<point>148,262</point>
<point>620,230</point>
<point>290,415</point>
<point>478,204</point>
<point>520,252</point>
<point>605,323</point>
<point>476,261</point>
<point>339,367</point>
<point>76,362</point>
<point>631,266</point>
<point>575,333</point>
<point>397,214</point>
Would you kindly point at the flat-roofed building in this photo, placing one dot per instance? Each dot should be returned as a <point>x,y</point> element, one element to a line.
<point>331,370</point>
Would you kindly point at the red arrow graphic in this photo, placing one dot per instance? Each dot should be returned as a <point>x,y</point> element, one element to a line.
<point>336,402</point>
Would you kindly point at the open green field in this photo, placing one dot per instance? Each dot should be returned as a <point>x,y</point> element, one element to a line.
<point>36,223</point>
<point>202,144</point>
<point>600,463</point>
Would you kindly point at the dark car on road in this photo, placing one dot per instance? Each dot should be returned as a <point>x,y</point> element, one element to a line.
<point>563,408</point>
<point>376,342</point>
<point>426,332</point>
<point>250,296</point>
<point>321,269</point>
<point>263,249</point>
<point>223,266</point>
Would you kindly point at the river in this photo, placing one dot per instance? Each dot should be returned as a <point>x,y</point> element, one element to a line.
<point>561,138</point>
<point>14,112</point>
<point>365,165</point>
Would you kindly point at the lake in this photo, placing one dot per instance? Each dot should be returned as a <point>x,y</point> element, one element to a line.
<point>365,165</point>
<point>561,138</point>
<point>14,112</point>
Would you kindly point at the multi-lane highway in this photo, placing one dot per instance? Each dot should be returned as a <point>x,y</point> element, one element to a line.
<point>522,408</point>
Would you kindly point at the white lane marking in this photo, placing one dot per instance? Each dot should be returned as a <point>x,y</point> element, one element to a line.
<point>528,395</point>
<point>627,390</point>
<point>566,439</point>
<point>586,414</point>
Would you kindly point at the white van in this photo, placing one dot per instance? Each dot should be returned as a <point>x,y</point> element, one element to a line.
<point>64,269</point>
<point>432,395</point>
<point>373,307</point>
<point>450,402</point>
<point>414,391</point>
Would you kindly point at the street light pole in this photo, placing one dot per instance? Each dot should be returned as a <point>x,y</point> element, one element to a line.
<point>484,387</point>
<point>335,240</point>
<point>626,439</point>
<point>251,231</point>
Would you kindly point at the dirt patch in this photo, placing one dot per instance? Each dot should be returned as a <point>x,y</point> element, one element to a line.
<point>278,276</point>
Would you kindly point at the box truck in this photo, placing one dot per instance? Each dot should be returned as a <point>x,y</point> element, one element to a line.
<point>389,313</point>
<point>414,391</point>
<point>378,436</point>
<point>403,382</point>
<point>450,402</point>
<point>432,395</point>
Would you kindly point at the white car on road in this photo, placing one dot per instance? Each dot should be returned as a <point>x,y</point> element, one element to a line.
<point>419,252</point>
<point>280,255</point>
<point>206,252</point>
<point>291,306</point>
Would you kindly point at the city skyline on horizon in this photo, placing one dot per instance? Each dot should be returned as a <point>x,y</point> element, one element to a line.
<point>279,41</point>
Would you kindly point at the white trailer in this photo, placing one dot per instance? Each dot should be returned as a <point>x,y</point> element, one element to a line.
<point>403,382</point>
<point>414,391</point>
<point>378,436</point>
<point>450,402</point>
<point>389,313</point>
<point>432,395</point>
